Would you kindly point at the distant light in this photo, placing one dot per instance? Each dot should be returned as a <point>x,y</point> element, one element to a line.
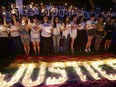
<point>41,3</point>
<point>32,3</point>
<point>50,3</point>
<point>65,4</point>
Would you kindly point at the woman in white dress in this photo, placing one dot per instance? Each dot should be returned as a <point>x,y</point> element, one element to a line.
<point>35,36</point>
<point>56,33</point>
<point>66,26</point>
<point>74,27</point>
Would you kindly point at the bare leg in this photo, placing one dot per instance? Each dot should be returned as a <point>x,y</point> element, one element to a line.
<point>108,45</point>
<point>28,48</point>
<point>34,47</point>
<point>89,42</point>
<point>72,44</point>
<point>25,48</point>
<point>38,47</point>
<point>105,46</point>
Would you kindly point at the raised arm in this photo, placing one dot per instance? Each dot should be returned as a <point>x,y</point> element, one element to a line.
<point>14,20</point>
<point>38,27</point>
<point>29,23</point>
<point>5,24</point>
<point>52,21</point>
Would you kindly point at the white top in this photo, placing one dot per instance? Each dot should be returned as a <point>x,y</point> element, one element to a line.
<point>35,33</point>
<point>67,31</point>
<point>81,26</point>
<point>3,34</point>
<point>36,11</point>
<point>46,29</point>
<point>15,33</point>
<point>56,31</point>
<point>90,23</point>
<point>74,31</point>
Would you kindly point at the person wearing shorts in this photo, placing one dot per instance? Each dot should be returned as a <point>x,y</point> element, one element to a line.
<point>91,31</point>
<point>35,36</point>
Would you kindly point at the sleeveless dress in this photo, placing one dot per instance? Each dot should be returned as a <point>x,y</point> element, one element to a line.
<point>24,36</point>
<point>74,31</point>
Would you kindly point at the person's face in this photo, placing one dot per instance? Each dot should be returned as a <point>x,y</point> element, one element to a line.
<point>35,20</point>
<point>101,19</point>
<point>36,5</point>
<point>23,18</point>
<point>14,5</point>
<point>75,18</point>
<point>56,19</point>
<point>67,19</point>
<point>92,18</point>
<point>45,19</point>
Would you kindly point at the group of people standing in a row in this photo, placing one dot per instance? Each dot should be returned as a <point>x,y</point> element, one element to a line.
<point>24,31</point>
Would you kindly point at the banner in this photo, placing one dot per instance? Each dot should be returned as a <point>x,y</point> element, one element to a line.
<point>61,12</point>
<point>19,5</point>
<point>97,10</point>
<point>86,14</point>
<point>68,13</point>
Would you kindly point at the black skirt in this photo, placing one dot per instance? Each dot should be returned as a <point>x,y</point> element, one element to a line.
<point>91,32</point>
<point>109,36</point>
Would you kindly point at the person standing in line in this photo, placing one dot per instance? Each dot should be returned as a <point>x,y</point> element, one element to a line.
<point>35,36</point>
<point>4,38</point>
<point>74,27</point>
<point>46,33</point>
<point>109,28</point>
<point>91,32</point>
<point>66,26</point>
<point>15,34</point>
<point>56,33</point>
<point>100,33</point>
<point>25,37</point>
<point>81,33</point>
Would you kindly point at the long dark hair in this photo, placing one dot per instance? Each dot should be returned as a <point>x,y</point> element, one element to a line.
<point>54,22</point>
<point>22,17</point>
<point>64,20</point>
<point>43,18</point>
<point>79,19</point>
<point>100,17</point>
<point>111,18</point>
<point>12,22</point>
<point>1,19</point>
<point>73,16</point>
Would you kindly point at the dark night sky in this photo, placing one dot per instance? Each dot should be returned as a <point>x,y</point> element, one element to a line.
<point>105,3</point>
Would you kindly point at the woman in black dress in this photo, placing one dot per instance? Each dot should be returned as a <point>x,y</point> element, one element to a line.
<point>100,33</point>
<point>109,28</point>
